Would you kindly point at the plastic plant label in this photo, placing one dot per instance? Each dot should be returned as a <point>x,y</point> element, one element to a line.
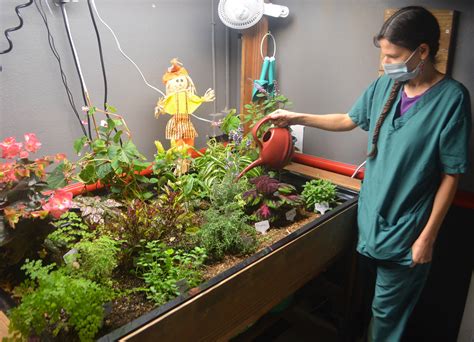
<point>291,214</point>
<point>322,207</point>
<point>262,226</point>
<point>71,252</point>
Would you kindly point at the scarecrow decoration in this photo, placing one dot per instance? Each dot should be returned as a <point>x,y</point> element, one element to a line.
<point>180,102</point>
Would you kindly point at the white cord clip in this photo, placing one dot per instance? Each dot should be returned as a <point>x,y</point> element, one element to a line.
<point>268,34</point>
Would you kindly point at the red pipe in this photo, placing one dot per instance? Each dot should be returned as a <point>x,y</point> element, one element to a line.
<point>463,199</point>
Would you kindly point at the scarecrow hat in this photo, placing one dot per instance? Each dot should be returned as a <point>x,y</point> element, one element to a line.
<point>176,69</point>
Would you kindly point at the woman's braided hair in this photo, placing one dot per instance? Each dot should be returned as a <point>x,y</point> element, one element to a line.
<point>409,27</point>
<point>386,109</point>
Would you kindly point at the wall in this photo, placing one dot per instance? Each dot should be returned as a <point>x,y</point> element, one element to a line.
<point>32,97</point>
<point>326,59</point>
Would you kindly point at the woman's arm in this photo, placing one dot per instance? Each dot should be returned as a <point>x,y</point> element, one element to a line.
<point>328,122</point>
<point>422,249</point>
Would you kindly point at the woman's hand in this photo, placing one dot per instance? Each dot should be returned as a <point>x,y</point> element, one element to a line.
<point>283,118</point>
<point>422,251</point>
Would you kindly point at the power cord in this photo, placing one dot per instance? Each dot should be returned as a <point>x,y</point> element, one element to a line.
<point>42,12</point>
<point>11,29</point>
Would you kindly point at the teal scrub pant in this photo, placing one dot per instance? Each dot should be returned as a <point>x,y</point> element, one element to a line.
<point>397,289</point>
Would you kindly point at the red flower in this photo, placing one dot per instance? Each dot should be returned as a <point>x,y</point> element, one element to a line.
<point>10,148</point>
<point>31,143</point>
<point>59,156</point>
<point>59,203</point>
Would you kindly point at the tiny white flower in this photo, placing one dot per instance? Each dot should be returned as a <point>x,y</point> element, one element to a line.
<point>103,123</point>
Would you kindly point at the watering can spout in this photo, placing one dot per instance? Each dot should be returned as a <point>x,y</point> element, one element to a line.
<point>256,163</point>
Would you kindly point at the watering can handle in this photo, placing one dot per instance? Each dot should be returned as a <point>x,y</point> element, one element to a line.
<point>256,128</point>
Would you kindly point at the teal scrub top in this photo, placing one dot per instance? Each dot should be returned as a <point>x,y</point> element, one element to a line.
<point>414,150</point>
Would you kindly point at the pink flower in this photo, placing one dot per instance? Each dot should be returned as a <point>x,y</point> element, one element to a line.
<point>59,156</point>
<point>24,154</point>
<point>59,203</point>
<point>10,148</point>
<point>31,143</point>
<point>7,173</point>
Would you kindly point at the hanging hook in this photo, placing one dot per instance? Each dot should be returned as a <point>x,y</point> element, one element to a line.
<point>268,34</point>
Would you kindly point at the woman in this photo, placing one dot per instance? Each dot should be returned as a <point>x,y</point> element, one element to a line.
<point>419,122</point>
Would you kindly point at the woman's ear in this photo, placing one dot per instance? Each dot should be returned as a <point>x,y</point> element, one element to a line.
<point>424,51</point>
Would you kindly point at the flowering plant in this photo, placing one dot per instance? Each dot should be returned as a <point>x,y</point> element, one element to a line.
<point>22,183</point>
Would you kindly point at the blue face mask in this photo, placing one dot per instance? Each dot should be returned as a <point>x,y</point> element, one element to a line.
<point>399,71</point>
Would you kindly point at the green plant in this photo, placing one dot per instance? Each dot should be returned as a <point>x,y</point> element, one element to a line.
<point>318,191</point>
<point>231,122</point>
<point>225,231</point>
<point>70,229</point>
<point>255,111</point>
<point>163,269</point>
<point>218,160</point>
<point>116,164</point>
<point>95,259</point>
<point>269,198</point>
<point>55,302</point>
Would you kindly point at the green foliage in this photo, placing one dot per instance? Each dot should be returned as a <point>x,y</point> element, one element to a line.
<point>163,269</point>
<point>270,198</point>
<point>96,259</point>
<point>218,160</point>
<point>70,229</point>
<point>57,302</point>
<point>256,111</point>
<point>231,122</point>
<point>318,191</point>
<point>225,231</point>
<point>170,164</point>
<point>114,163</point>
<point>228,193</point>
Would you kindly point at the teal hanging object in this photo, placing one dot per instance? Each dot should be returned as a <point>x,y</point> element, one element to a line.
<point>266,83</point>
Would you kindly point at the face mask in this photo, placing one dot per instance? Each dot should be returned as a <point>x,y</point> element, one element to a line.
<point>399,71</point>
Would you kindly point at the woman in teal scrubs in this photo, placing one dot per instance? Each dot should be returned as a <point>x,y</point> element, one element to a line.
<point>418,121</point>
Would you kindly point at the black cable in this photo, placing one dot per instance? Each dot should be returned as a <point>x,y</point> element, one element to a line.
<point>66,25</point>
<point>100,52</point>
<point>7,31</point>
<point>102,63</point>
<point>56,55</point>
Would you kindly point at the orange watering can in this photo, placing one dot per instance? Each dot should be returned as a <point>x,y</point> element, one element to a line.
<point>276,147</point>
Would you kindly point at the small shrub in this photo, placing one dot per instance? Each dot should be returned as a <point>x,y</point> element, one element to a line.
<point>226,232</point>
<point>163,268</point>
<point>318,191</point>
<point>96,259</point>
<point>57,302</point>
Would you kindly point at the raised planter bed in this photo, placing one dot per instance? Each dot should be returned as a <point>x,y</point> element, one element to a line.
<point>226,304</point>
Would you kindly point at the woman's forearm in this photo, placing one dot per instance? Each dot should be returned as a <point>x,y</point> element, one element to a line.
<point>328,122</point>
<point>443,199</point>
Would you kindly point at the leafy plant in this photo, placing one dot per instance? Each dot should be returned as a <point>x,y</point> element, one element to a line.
<point>170,164</point>
<point>23,183</point>
<point>219,159</point>
<point>231,235</point>
<point>95,259</point>
<point>318,191</point>
<point>116,164</point>
<point>269,198</point>
<point>96,210</point>
<point>55,302</point>
<point>70,229</point>
<point>231,122</point>
<point>163,269</point>
<point>255,111</point>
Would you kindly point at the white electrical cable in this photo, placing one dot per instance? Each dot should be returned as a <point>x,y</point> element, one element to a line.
<point>123,53</point>
<point>213,42</point>
<point>49,8</point>
<point>358,168</point>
